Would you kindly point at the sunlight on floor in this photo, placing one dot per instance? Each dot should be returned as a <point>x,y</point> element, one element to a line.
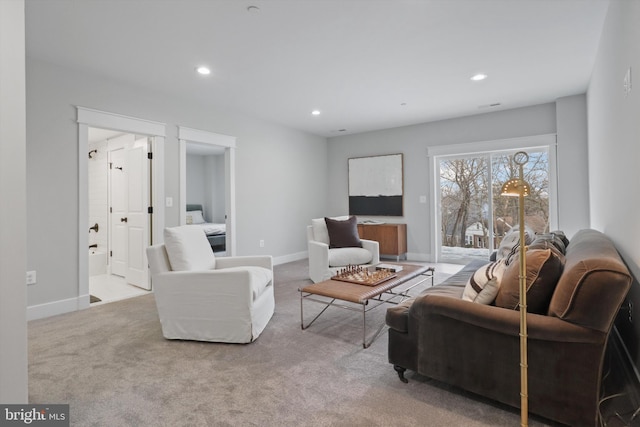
<point>111,288</point>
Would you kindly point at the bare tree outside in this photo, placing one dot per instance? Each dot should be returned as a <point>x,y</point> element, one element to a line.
<point>467,220</point>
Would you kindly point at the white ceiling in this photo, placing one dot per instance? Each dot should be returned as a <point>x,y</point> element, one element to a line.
<point>365,64</point>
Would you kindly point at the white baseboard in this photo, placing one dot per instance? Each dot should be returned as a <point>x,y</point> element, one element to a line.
<point>290,258</point>
<point>49,309</point>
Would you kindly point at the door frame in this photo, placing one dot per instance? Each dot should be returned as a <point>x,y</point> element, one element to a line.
<point>86,118</point>
<point>521,143</point>
<point>186,135</point>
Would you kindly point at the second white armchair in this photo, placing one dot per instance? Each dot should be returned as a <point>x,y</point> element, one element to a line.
<point>325,260</point>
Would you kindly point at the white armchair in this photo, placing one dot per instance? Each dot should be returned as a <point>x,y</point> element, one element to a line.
<point>325,262</point>
<point>203,298</point>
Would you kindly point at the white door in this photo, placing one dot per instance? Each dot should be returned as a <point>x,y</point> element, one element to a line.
<point>129,189</point>
<point>118,212</point>
<point>138,214</point>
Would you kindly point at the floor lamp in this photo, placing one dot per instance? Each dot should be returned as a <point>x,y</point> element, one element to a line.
<point>517,187</point>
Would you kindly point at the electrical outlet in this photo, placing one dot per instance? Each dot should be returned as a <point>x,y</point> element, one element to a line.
<point>31,277</point>
<point>262,243</point>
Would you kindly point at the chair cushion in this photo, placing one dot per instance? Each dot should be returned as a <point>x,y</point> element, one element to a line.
<point>544,268</point>
<point>343,233</point>
<point>188,248</point>
<point>319,227</point>
<point>340,257</point>
<point>259,277</point>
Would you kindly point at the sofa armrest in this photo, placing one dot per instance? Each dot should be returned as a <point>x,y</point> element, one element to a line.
<point>501,320</point>
<point>265,261</point>
<point>373,247</point>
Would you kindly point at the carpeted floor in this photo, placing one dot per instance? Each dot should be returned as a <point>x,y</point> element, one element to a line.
<point>114,368</point>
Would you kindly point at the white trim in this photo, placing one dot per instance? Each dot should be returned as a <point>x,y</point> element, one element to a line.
<point>197,135</point>
<point>106,120</point>
<point>185,135</point>
<point>434,153</point>
<point>494,145</point>
<point>283,259</point>
<point>87,117</point>
<point>40,311</point>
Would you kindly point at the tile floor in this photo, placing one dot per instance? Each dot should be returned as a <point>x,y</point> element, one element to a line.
<point>111,288</point>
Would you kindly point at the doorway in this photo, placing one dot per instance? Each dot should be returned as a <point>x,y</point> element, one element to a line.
<point>217,153</point>
<point>119,197</point>
<point>126,222</point>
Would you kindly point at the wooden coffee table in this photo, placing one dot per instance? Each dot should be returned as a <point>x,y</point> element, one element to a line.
<point>360,296</point>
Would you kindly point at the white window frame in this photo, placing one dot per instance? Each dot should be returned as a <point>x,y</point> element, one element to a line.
<point>435,153</point>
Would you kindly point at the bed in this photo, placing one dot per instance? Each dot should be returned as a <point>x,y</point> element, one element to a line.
<point>216,232</point>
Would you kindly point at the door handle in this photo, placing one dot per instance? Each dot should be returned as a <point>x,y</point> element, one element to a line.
<point>123,219</point>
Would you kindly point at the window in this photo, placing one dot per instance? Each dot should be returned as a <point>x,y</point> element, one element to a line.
<point>471,216</point>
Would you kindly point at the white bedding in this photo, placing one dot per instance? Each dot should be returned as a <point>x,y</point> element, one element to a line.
<point>211,228</point>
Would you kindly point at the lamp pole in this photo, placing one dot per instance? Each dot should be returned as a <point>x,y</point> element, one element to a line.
<point>519,187</point>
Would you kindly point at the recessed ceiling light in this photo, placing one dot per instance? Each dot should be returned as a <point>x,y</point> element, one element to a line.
<point>316,112</point>
<point>253,9</point>
<point>205,71</point>
<point>479,77</point>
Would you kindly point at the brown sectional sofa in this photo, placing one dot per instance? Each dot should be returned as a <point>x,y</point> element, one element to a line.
<point>477,347</point>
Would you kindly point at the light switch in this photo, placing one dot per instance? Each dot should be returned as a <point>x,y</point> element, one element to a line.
<point>423,199</point>
<point>169,202</point>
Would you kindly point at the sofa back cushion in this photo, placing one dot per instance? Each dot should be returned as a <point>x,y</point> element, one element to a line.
<point>594,282</point>
<point>544,267</point>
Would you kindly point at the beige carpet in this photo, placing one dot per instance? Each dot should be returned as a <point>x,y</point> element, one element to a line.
<point>112,365</point>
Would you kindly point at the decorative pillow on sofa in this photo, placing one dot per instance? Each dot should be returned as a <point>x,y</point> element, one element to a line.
<point>510,242</point>
<point>343,234</point>
<point>483,286</point>
<point>544,268</point>
<point>551,241</point>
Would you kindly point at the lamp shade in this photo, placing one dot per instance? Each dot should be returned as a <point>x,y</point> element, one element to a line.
<point>515,187</point>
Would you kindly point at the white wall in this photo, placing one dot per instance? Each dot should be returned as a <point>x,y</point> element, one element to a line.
<point>573,167</point>
<point>414,140</point>
<point>614,146</point>
<point>195,174</point>
<point>280,184</point>
<point>13,318</point>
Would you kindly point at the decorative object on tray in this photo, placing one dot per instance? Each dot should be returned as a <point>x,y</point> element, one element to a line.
<point>363,276</point>
<point>390,267</point>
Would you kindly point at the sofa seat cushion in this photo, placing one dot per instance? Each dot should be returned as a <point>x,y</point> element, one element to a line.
<point>259,277</point>
<point>544,267</point>
<point>341,257</point>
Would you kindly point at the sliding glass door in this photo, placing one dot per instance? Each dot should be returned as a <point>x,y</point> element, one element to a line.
<point>473,215</point>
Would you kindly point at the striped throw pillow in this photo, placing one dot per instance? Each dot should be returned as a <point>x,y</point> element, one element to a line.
<point>482,287</point>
